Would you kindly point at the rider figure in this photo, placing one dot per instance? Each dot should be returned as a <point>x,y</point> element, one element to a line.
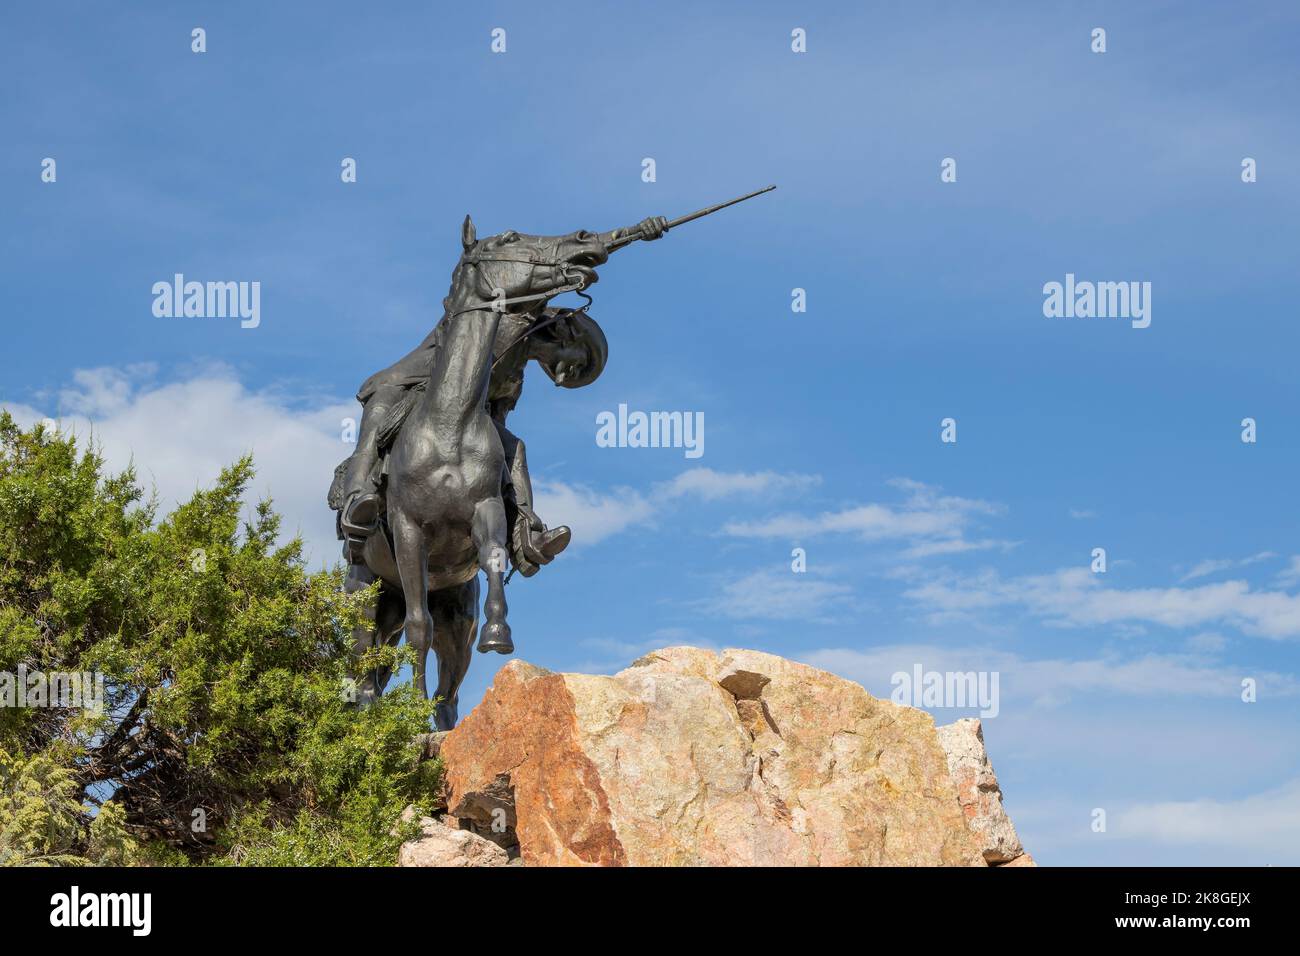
<point>569,346</point>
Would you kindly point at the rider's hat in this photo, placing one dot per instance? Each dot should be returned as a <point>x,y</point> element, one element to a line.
<point>578,328</point>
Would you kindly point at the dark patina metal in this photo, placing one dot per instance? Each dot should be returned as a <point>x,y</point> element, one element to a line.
<point>438,488</point>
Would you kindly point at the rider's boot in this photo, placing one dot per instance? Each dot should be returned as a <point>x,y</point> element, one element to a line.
<point>533,544</point>
<point>360,517</point>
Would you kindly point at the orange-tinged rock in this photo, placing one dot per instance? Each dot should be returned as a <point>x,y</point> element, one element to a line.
<point>691,757</point>
<point>978,791</point>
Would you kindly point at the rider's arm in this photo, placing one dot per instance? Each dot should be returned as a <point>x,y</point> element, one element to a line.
<point>647,230</point>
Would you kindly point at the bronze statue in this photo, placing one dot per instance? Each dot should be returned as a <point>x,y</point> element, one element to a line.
<point>438,488</point>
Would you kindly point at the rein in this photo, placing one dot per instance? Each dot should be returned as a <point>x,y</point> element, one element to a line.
<point>575,283</point>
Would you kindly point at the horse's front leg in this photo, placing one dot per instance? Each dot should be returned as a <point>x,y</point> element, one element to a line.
<point>412,558</point>
<point>490,544</point>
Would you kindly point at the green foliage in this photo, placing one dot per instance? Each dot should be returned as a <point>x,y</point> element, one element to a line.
<point>226,736</point>
<point>39,813</point>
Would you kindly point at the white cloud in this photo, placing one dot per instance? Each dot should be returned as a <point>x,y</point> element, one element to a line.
<point>596,515</point>
<point>615,654</point>
<point>1049,682</point>
<point>925,549</point>
<point>24,415</point>
<point>1077,597</point>
<point>710,485</point>
<point>930,522</point>
<point>1205,569</point>
<point>181,434</point>
<point>779,596</point>
<point>1290,575</point>
<point>1265,821</point>
<point>593,515</point>
<point>1210,566</point>
<point>1207,643</point>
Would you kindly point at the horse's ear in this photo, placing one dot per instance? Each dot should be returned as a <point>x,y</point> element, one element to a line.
<point>467,234</point>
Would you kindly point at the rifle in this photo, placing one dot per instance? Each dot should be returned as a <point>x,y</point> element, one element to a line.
<point>632,234</point>
<point>627,237</point>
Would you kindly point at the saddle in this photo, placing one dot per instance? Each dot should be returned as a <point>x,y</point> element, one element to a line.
<point>385,436</point>
<point>392,423</point>
<point>387,433</point>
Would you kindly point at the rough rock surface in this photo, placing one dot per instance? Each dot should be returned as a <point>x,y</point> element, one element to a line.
<point>691,757</point>
<point>431,744</point>
<point>978,791</point>
<point>443,845</point>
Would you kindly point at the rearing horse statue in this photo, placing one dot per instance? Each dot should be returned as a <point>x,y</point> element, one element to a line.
<point>446,467</point>
<point>446,519</point>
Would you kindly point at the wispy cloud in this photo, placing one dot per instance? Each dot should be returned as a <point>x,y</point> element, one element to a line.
<point>779,596</point>
<point>610,654</point>
<point>1077,597</point>
<point>1211,566</point>
<point>927,521</point>
<point>1269,820</point>
<point>1049,682</point>
<point>593,515</point>
<point>709,485</point>
<point>596,515</point>
<point>1206,642</point>
<point>1289,576</point>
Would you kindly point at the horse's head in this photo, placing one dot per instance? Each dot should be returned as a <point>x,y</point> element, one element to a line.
<point>513,264</point>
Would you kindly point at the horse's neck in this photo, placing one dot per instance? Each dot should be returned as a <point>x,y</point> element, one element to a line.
<point>463,360</point>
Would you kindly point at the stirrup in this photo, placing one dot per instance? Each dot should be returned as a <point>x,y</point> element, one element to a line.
<point>361,516</point>
<point>540,548</point>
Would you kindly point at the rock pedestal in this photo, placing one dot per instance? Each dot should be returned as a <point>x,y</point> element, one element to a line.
<point>691,757</point>
<point>978,792</point>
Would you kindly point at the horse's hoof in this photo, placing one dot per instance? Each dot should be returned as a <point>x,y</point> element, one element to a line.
<point>444,718</point>
<point>496,637</point>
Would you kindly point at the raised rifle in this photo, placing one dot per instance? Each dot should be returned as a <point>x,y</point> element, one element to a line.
<point>633,233</point>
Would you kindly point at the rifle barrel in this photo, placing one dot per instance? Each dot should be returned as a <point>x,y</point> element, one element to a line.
<point>722,205</point>
<point>682,220</point>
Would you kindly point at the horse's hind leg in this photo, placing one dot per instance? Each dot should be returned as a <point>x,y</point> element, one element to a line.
<point>413,566</point>
<point>490,542</point>
<point>364,635</point>
<point>390,614</point>
<point>455,622</point>
<point>380,624</point>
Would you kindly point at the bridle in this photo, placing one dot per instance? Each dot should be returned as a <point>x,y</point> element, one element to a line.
<point>572,282</point>
<point>569,281</point>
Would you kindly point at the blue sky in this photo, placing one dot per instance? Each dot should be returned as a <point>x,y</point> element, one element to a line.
<point>1119,691</point>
